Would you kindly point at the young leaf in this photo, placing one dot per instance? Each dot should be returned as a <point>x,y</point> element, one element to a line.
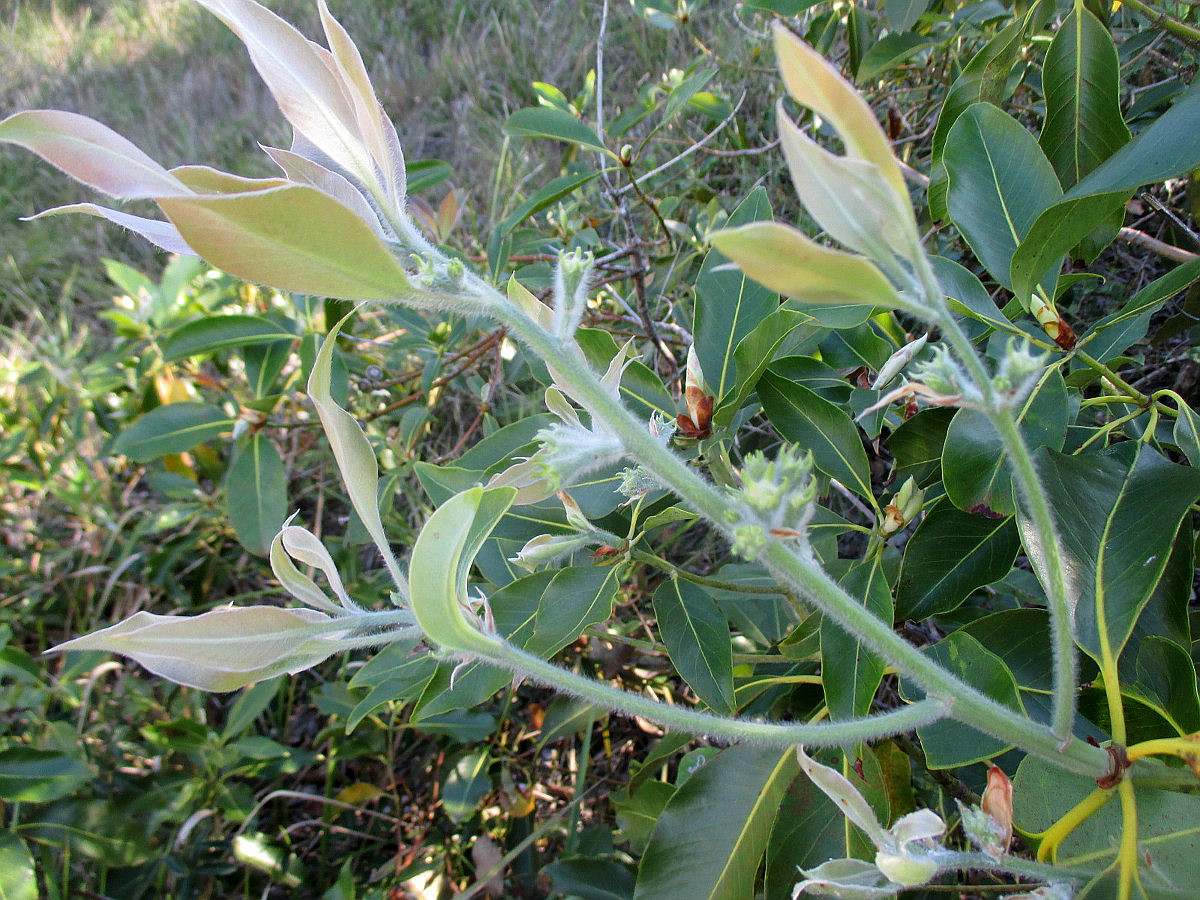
<point>355,458</point>
<point>163,235</point>
<point>91,153</point>
<point>697,638</point>
<point>303,170</point>
<point>296,582</point>
<point>847,196</point>
<point>441,562</point>
<point>295,238</point>
<point>305,82</point>
<point>786,261</point>
<point>221,650</point>
<point>815,83</point>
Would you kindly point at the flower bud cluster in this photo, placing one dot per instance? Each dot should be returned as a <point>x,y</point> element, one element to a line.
<point>944,375</point>
<point>779,494</point>
<point>1018,371</point>
<point>570,450</point>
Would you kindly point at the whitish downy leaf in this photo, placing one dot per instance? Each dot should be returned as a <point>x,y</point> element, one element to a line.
<point>1081,78</point>
<point>304,171</point>
<point>221,650</point>
<point>1117,514</point>
<point>172,428</point>
<point>999,181</point>
<point>785,260</point>
<point>91,153</point>
<point>163,235</point>
<point>697,638</point>
<point>377,135</point>
<point>256,494</point>
<point>441,562</point>
<point>296,582</point>
<point>301,544</point>
<point>304,81</point>
<point>847,196</point>
<point>709,840</point>
<point>815,83</point>
<point>355,458</point>
<point>1165,149</point>
<point>293,237</point>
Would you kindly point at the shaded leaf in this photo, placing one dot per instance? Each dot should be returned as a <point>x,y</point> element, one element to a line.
<point>256,494</point>
<point>697,638</point>
<point>28,775</point>
<point>172,428</point>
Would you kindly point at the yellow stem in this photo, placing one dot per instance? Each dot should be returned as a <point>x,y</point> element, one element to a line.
<point>1127,857</point>
<point>1053,836</point>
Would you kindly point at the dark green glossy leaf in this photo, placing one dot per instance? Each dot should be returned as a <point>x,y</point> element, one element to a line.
<point>711,836</point>
<point>850,673</point>
<point>547,122</point>
<point>551,193</point>
<point>1115,333</point>
<point>590,878</point>
<point>214,333</point>
<point>256,494</point>
<point>1187,434</point>
<point>729,306</point>
<point>757,350</point>
<point>967,294</point>
<point>948,744</point>
<point>1117,514</point>
<point>950,555</point>
<point>999,181</point>
<point>805,418</point>
<point>1163,678</point>
<point>422,174</point>
<point>640,385</point>
<point>1165,149</point>
<point>916,446</point>
<point>37,776</point>
<point>975,468</point>
<point>697,638</point>
<point>173,428</point>
<point>985,77</point>
<point>1082,81</point>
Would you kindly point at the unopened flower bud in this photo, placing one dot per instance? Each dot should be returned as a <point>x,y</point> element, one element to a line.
<point>1052,323</point>
<point>897,361</point>
<point>905,870</point>
<point>546,548</point>
<point>748,541</point>
<point>1018,370</point>
<point>905,507</point>
<point>571,280</point>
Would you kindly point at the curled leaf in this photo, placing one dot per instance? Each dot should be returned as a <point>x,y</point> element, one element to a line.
<point>161,234</point>
<point>355,458</point>
<point>441,562</point>
<point>221,650</point>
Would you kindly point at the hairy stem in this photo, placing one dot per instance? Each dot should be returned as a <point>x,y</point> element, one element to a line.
<point>795,568</point>
<point>1066,676</point>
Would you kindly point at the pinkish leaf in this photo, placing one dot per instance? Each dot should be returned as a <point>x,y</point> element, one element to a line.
<point>161,234</point>
<point>91,153</point>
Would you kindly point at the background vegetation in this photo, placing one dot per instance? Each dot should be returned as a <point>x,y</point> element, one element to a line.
<point>124,786</point>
